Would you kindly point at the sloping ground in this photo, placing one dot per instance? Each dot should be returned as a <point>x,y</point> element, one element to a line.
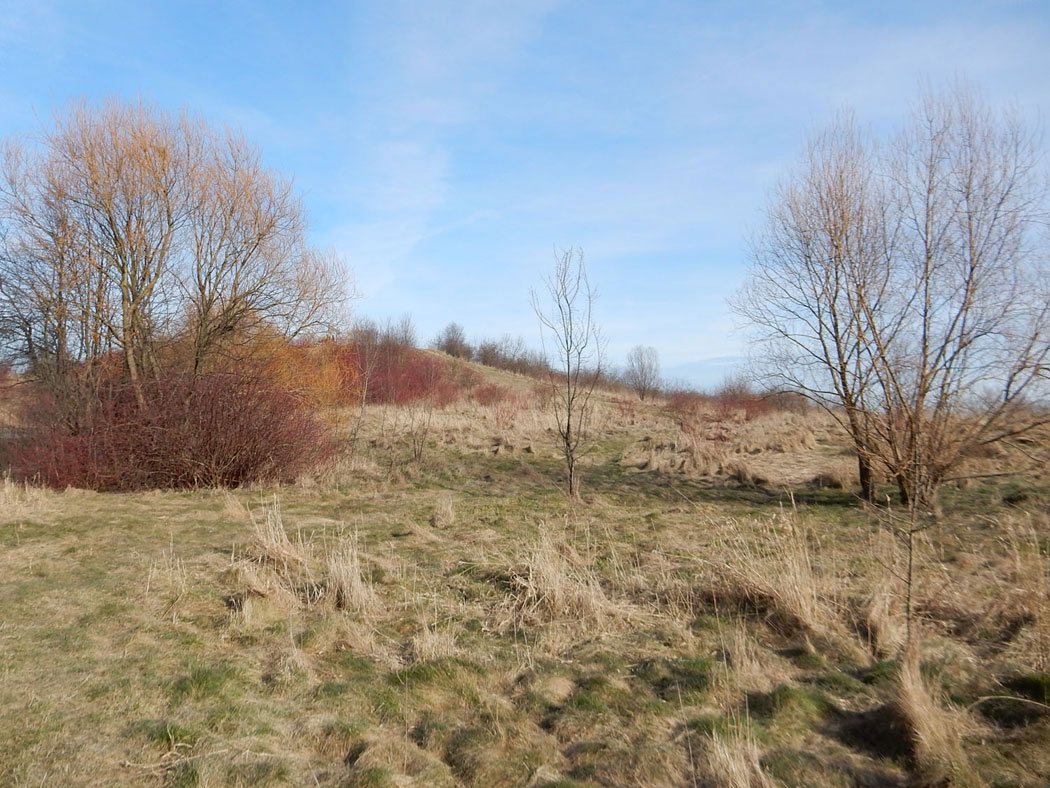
<point>445,617</point>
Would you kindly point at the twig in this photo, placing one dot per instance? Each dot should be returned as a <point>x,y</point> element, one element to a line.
<point>1008,697</point>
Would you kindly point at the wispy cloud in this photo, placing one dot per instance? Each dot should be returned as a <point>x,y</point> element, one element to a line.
<point>446,147</point>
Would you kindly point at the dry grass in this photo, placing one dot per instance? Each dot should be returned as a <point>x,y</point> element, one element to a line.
<point>1031,577</point>
<point>783,433</point>
<point>271,542</point>
<point>346,585</point>
<point>768,567</point>
<point>747,665</point>
<point>387,758</point>
<point>675,629</point>
<point>880,610</point>
<point>433,644</point>
<point>554,582</point>
<point>19,499</point>
<point>732,760</point>
<point>444,512</point>
<point>936,732</point>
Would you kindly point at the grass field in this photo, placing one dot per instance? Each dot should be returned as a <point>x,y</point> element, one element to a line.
<point>719,610</point>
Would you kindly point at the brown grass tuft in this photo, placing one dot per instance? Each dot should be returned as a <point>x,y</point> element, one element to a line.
<point>555,583</point>
<point>19,498</point>
<point>346,586</point>
<point>1031,570</point>
<point>767,567</point>
<point>271,542</point>
<point>879,614</point>
<point>443,513</point>
<point>732,761</point>
<point>939,757</point>
<point>431,644</point>
<point>383,757</point>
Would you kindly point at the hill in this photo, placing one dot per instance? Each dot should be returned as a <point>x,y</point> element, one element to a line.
<point>720,610</point>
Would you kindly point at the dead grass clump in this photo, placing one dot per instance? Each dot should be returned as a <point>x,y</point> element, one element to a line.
<point>707,447</point>
<point>882,622</point>
<point>685,455</point>
<point>879,617</point>
<point>748,666</point>
<point>432,644</point>
<point>286,666</point>
<point>767,567</point>
<point>443,513</point>
<point>742,472</point>
<point>234,509</point>
<point>19,498</point>
<point>554,582</point>
<point>840,475</point>
<point>360,637</point>
<point>707,457</point>
<point>1031,577</point>
<point>781,432</point>
<point>935,732</point>
<point>346,586</point>
<point>255,582</point>
<point>493,753</point>
<point>732,761</point>
<point>383,757</point>
<point>271,542</point>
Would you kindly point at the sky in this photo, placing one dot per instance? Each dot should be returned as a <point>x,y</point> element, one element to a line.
<point>450,150</point>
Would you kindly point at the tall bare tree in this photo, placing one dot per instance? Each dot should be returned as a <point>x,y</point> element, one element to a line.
<point>574,353</point>
<point>643,371</point>
<point>126,228</point>
<point>905,290</point>
<point>823,248</point>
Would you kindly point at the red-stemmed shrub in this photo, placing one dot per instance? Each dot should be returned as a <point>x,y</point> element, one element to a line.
<point>402,375</point>
<point>686,403</point>
<point>736,397</point>
<point>490,394</point>
<point>179,431</point>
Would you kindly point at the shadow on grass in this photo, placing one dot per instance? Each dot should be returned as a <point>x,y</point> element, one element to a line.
<point>613,479</point>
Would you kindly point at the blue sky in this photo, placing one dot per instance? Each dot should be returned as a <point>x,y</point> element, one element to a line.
<point>448,148</point>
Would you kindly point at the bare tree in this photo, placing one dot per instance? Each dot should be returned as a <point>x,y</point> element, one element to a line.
<point>453,340</point>
<point>824,246</point>
<point>960,366</point>
<point>643,371</point>
<point>574,353</point>
<point>247,262</point>
<point>906,291</point>
<point>127,229</point>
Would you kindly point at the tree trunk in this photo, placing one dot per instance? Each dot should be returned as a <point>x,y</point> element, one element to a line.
<point>867,479</point>
<point>903,490</point>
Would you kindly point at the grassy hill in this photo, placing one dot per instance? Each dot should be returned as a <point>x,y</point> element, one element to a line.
<point>719,610</point>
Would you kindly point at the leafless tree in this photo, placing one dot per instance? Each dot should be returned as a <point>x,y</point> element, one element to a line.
<point>574,353</point>
<point>643,371</point>
<point>453,340</point>
<point>905,290</point>
<point>127,229</point>
<point>823,246</point>
<point>960,365</point>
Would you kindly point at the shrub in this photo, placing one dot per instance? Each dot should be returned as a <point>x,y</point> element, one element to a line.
<point>490,394</point>
<point>177,432</point>
<point>686,403</point>
<point>399,375</point>
<point>312,370</point>
<point>453,341</point>
<point>512,355</point>
<point>735,396</point>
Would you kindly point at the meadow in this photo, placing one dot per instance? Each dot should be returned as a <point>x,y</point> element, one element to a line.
<point>718,610</point>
